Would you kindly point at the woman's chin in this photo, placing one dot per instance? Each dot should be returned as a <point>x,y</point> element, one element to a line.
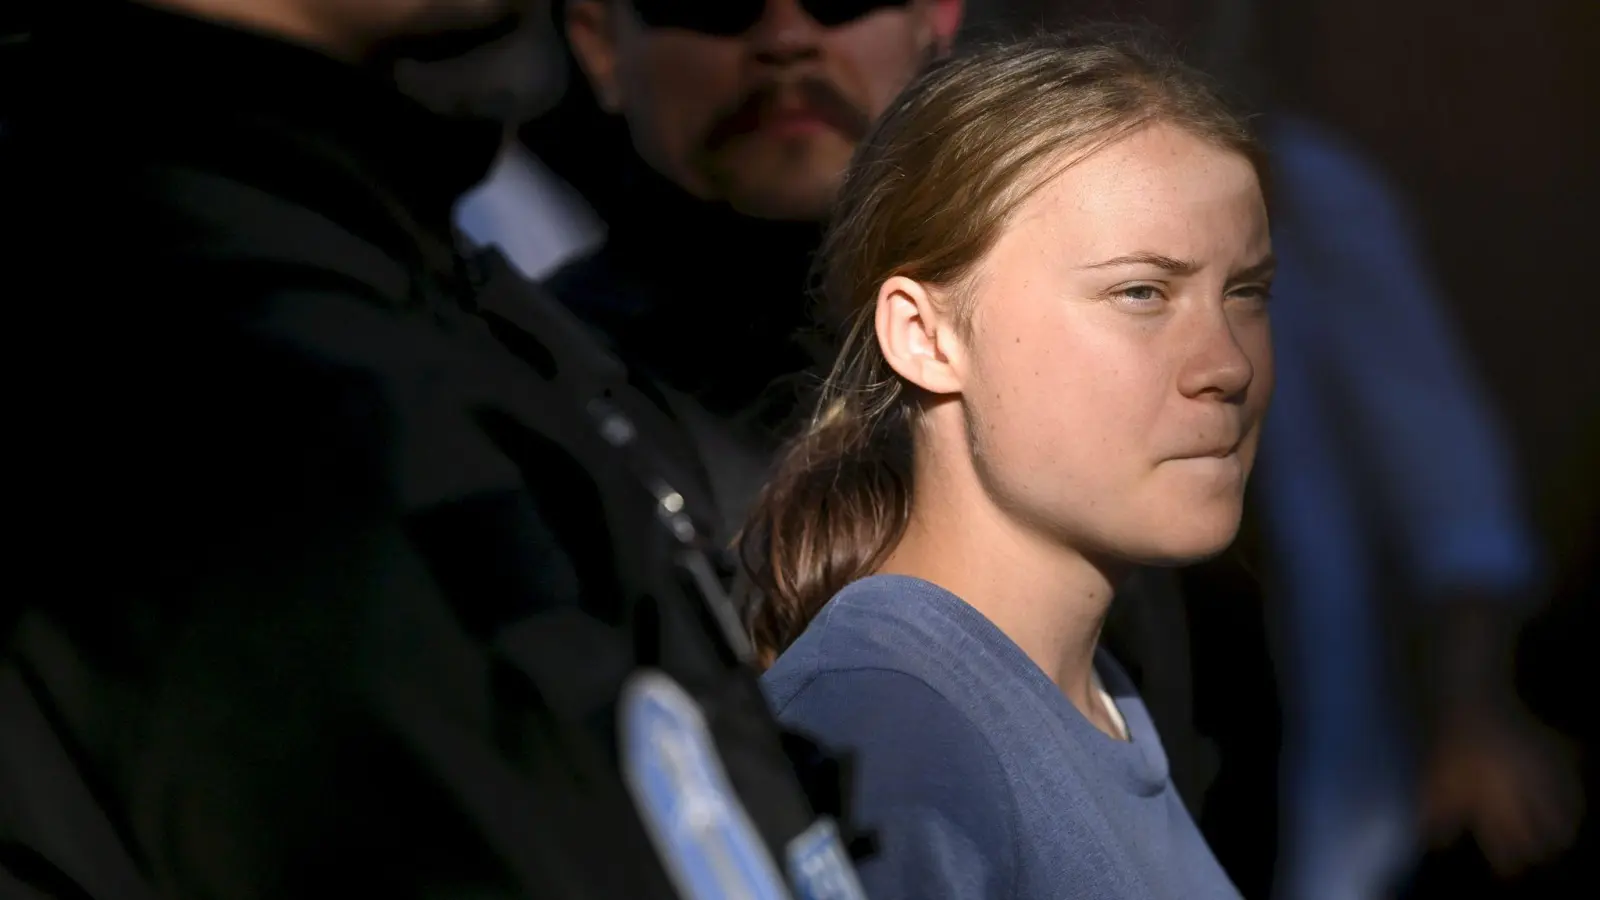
<point>1185,543</point>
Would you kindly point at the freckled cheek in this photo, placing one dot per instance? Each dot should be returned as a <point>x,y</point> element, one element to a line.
<point>1037,394</point>
<point>1021,352</point>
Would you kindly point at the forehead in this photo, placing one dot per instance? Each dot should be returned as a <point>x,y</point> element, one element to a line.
<point>1160,186</point>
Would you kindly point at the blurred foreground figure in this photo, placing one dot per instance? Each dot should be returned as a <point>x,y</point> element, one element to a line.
<point>1386,478</point>
<point>355,572</point>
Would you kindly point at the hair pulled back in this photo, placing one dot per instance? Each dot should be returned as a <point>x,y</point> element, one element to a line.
<point>929,192</point>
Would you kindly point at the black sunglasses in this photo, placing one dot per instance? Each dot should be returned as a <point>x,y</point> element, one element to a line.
<point>729,18</point>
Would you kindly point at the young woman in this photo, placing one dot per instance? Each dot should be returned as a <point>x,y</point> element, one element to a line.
<point>1054,262</point>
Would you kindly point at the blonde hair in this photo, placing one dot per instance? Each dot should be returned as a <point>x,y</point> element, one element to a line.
<point>927,195</point>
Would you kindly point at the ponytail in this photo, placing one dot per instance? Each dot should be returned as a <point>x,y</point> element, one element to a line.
<point>837,502</point>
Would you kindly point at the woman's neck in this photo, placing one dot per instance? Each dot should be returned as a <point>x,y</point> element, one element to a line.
<point>1048,598</point>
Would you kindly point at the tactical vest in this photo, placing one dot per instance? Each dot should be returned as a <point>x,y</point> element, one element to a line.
<point>655,675</point>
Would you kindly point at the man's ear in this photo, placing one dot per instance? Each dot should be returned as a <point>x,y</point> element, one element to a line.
<point>945,18</point>
<point>592,33</point>
<point>917,340</point>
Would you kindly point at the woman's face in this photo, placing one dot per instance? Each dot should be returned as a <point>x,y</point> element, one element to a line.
<point>1119,360</point>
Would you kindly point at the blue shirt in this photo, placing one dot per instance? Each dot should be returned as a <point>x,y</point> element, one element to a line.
<point>979,775</point>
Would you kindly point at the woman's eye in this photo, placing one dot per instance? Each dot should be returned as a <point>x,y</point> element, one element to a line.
<point>1255,294</point>
<point>1140,296</point>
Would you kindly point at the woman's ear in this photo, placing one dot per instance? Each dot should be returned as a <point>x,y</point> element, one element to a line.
<point>917,340</point>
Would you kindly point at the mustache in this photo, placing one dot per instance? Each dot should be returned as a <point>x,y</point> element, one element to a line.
<point>815,93</point>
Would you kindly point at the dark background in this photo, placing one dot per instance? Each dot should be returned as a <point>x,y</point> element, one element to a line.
<point>1484,113</point>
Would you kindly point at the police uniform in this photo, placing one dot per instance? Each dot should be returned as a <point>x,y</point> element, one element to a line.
<point>354,568</point>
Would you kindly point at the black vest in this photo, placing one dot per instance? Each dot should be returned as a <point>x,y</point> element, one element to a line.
<point>356,548</point>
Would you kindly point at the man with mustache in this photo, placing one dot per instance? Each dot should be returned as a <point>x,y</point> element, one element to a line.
<point>741,116</point>
<point>357,568</point>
